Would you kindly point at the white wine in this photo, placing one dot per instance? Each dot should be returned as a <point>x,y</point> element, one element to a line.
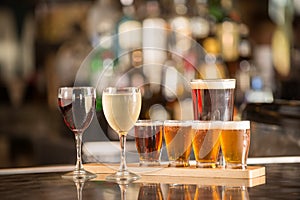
<point>121,110</point>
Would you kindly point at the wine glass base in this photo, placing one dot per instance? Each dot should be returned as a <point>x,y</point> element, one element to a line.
<point>122,177</point>
<point>79,175</point>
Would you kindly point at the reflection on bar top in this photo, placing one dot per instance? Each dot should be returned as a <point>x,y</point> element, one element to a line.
<point>64,168</point>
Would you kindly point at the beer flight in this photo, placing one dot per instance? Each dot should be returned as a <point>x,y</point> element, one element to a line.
<point>212,134</point>
<point>216,140</point>
<point>205,138</point>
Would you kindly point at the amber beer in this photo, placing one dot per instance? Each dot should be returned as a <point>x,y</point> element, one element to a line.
<point>206,143</point>
<point>148,139</point>
<point>178,137</point>
<point>235,143</point>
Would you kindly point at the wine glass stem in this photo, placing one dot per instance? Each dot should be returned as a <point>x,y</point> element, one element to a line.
<point>79,187</point>
<point>123,188</point>
<point>78,137</point>
<point>123,166</point>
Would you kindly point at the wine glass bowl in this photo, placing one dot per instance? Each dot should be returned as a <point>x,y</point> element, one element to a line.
<point>121,108</point>
<point>77,105</point>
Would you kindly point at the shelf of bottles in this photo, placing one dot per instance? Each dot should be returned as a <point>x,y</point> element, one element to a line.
<point>160,46</point>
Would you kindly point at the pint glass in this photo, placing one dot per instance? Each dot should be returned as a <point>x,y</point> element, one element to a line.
<point>213,99</point>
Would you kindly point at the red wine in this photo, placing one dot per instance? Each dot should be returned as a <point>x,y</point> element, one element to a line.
<point>78,112</point>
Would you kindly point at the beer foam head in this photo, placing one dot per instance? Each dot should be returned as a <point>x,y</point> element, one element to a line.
<point>236,125</point>
<point>213,84</point>
<point>148,122</point>
<point>205,125</point>
<point>178,123</point>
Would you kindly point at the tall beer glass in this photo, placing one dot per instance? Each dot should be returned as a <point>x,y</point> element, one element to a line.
<point>213,99</point>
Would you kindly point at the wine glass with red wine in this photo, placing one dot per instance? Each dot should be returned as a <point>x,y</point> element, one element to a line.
<point>77,105</point>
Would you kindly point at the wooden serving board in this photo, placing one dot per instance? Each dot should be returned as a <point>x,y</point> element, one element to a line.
<point>253,175</point>
<point>196,181</point>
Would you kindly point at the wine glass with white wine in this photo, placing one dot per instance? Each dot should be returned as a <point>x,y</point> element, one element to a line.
<point>122,108</point>
<point>77,105</point>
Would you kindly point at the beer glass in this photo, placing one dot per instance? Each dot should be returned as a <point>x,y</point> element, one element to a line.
<point>235,143</point>
<point>213,99</point>
<point>206,143</point>
<point>178,137</point>
<point>148,140</point>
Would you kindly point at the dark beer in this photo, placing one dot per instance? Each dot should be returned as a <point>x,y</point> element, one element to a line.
<point>148,139</point>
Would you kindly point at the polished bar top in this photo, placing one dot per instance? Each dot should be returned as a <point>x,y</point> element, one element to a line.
<point>282,182</point>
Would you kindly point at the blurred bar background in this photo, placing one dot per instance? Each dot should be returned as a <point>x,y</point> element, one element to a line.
<point>44,42</point>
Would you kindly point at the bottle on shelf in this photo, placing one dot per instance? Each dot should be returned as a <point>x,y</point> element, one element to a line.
<point>226,21</point>
<point>246,67</point>
<point>129,36</point>
<point>213,66</point>
<point>154,45</point>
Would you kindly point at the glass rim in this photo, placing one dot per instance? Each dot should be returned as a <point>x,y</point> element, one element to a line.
<point>202,124</point>
<point>89,90</point>
<point>148,122</point>
<point>178,122</point>
<point>121,89</point>
<point>236,125</point>
<point>213,83</point>
<point>76,87</point>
